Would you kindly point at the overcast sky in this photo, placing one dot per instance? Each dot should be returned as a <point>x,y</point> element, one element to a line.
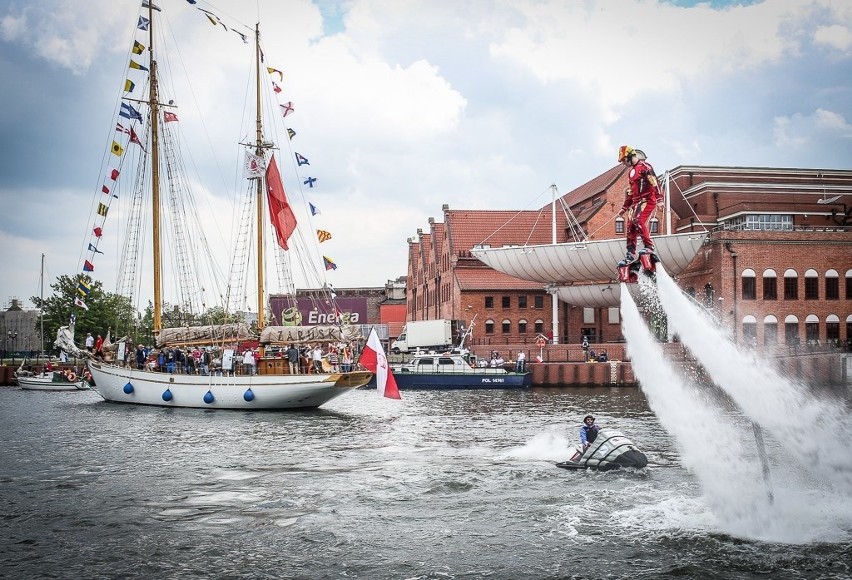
<point>403,106</point>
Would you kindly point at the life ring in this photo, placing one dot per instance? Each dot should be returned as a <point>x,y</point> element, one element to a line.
<point>71,376</point>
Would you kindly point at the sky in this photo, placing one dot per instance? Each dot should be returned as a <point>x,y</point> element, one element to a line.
<point>406,105</point>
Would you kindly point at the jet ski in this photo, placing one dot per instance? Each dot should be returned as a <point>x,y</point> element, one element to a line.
<point>610,450</point>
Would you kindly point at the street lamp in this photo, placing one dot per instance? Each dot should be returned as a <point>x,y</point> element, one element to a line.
<point>13,335</point>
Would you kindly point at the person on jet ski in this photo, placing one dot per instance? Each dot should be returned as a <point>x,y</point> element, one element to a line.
<point>588,431</point>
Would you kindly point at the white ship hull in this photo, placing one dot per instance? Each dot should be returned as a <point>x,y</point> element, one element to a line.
<point>47,384</point>
<point>257,392</point>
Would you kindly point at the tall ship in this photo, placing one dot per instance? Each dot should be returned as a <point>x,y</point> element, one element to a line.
<point>146,154</point>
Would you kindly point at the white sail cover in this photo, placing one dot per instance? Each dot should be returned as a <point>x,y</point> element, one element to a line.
<point>210,334</point>
<point>590,261</point>
<point>298,334</point>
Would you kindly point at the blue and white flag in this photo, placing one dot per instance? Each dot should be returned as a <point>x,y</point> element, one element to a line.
<point>128,112</point>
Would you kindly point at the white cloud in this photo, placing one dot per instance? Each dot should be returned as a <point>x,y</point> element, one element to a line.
<point>412,104</point>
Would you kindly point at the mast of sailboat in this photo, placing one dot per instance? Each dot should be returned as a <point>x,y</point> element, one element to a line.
<point>261,310</point>
<point>155,173</point>
<point>41,302</point>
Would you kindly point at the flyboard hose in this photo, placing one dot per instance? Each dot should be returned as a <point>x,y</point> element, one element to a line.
<point>764,460</point>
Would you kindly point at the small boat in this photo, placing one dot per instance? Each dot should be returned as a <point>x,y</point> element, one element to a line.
<point>147,149</point>
<point>52,381</point>
<point>610,450</point>
<point>453,371</point>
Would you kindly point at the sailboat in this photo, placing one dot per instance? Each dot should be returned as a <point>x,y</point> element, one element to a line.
<point>268,385</point>
<point>49,379</point>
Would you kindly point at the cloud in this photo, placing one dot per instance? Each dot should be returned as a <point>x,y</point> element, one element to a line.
<point>404,106</point>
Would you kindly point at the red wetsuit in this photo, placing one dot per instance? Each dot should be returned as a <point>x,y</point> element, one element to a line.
<point>640,204</point>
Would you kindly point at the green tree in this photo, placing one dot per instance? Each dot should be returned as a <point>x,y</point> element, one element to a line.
<point>105,310</point>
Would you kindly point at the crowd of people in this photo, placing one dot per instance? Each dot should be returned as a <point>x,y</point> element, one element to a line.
<point>301,359</point>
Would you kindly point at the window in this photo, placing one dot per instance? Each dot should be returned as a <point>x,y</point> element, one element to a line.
<point>489,302</point>
<point>522,326</point>
<point>770,330</point>
<point>619,225</point>
<point>811,285</point>
<point>522,301</point>
<point>489,326</point>
<point>811,328</point>
<point>538,327</point>
<point>770,285</point>
<point>709,296</point>
<point>588,315</point>
<point>832,328</point>
<point>614,315</point>
<point>655,226</point>
<point>590,333</point>
<point>538,302</point>
<point>761,222</point>
<point>690,291</point>
<point>749,330</point>
<point>749,285</point>
<point>791,331</point>
<point>506,301</point>
<point>849,289</point>
<point>506,326</point>
<point>832,285</point>
<point>791,285</point>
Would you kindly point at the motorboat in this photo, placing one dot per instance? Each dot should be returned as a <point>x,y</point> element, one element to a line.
<point>453,371</point>
<point>52,381</point>
<point>610,450</point>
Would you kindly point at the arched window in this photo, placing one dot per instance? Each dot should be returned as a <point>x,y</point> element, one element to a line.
<point>489,326</point>
<point>506,326</point>
<point>811,285</point>
<point>538,327</point>
<point>655,226</point>
<point>812,328</point>
<point>832,328</point>
<point>522,326</point>
<point>749,330</point>
<point>690,291</point>
<point>749,284</point>
<point>709,296</point>
<point>770,284</point>
<point>791,285</point>
<point>832,285</point>
<point>849,329</point>
<point>619,225</point>
<point>791,330</point>
<point>770,330</point>
<point>848,292</point>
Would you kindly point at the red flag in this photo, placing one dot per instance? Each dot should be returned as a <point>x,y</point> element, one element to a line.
<point>168,116</point>
<point>97,231</point>
<point>114,174</point>
<point>280,213</point>
<point>373,359</point>
<point>105,189</point>
<point>88,266</point>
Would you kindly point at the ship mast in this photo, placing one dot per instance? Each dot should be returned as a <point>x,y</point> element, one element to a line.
<point>261,310</point>
<point>155,175</point>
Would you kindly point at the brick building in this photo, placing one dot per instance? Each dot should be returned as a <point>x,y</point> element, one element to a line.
<point>777,264</point>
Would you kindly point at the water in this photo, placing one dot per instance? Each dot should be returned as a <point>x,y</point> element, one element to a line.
<point>456,484</point>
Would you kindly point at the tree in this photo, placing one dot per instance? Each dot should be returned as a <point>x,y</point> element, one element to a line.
<point>105,310</point>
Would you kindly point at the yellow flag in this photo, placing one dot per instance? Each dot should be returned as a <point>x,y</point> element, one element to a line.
<point>102,209</point>
<point>323,235</point>
<point>117,149</point>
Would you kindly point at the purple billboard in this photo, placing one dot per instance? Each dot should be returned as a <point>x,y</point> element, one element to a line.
<point>311,312</point>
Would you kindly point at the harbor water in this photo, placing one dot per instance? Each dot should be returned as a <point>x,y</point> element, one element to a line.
<point>443,484</point>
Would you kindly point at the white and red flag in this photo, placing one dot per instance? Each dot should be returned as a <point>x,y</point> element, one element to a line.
<point>373,359</point>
